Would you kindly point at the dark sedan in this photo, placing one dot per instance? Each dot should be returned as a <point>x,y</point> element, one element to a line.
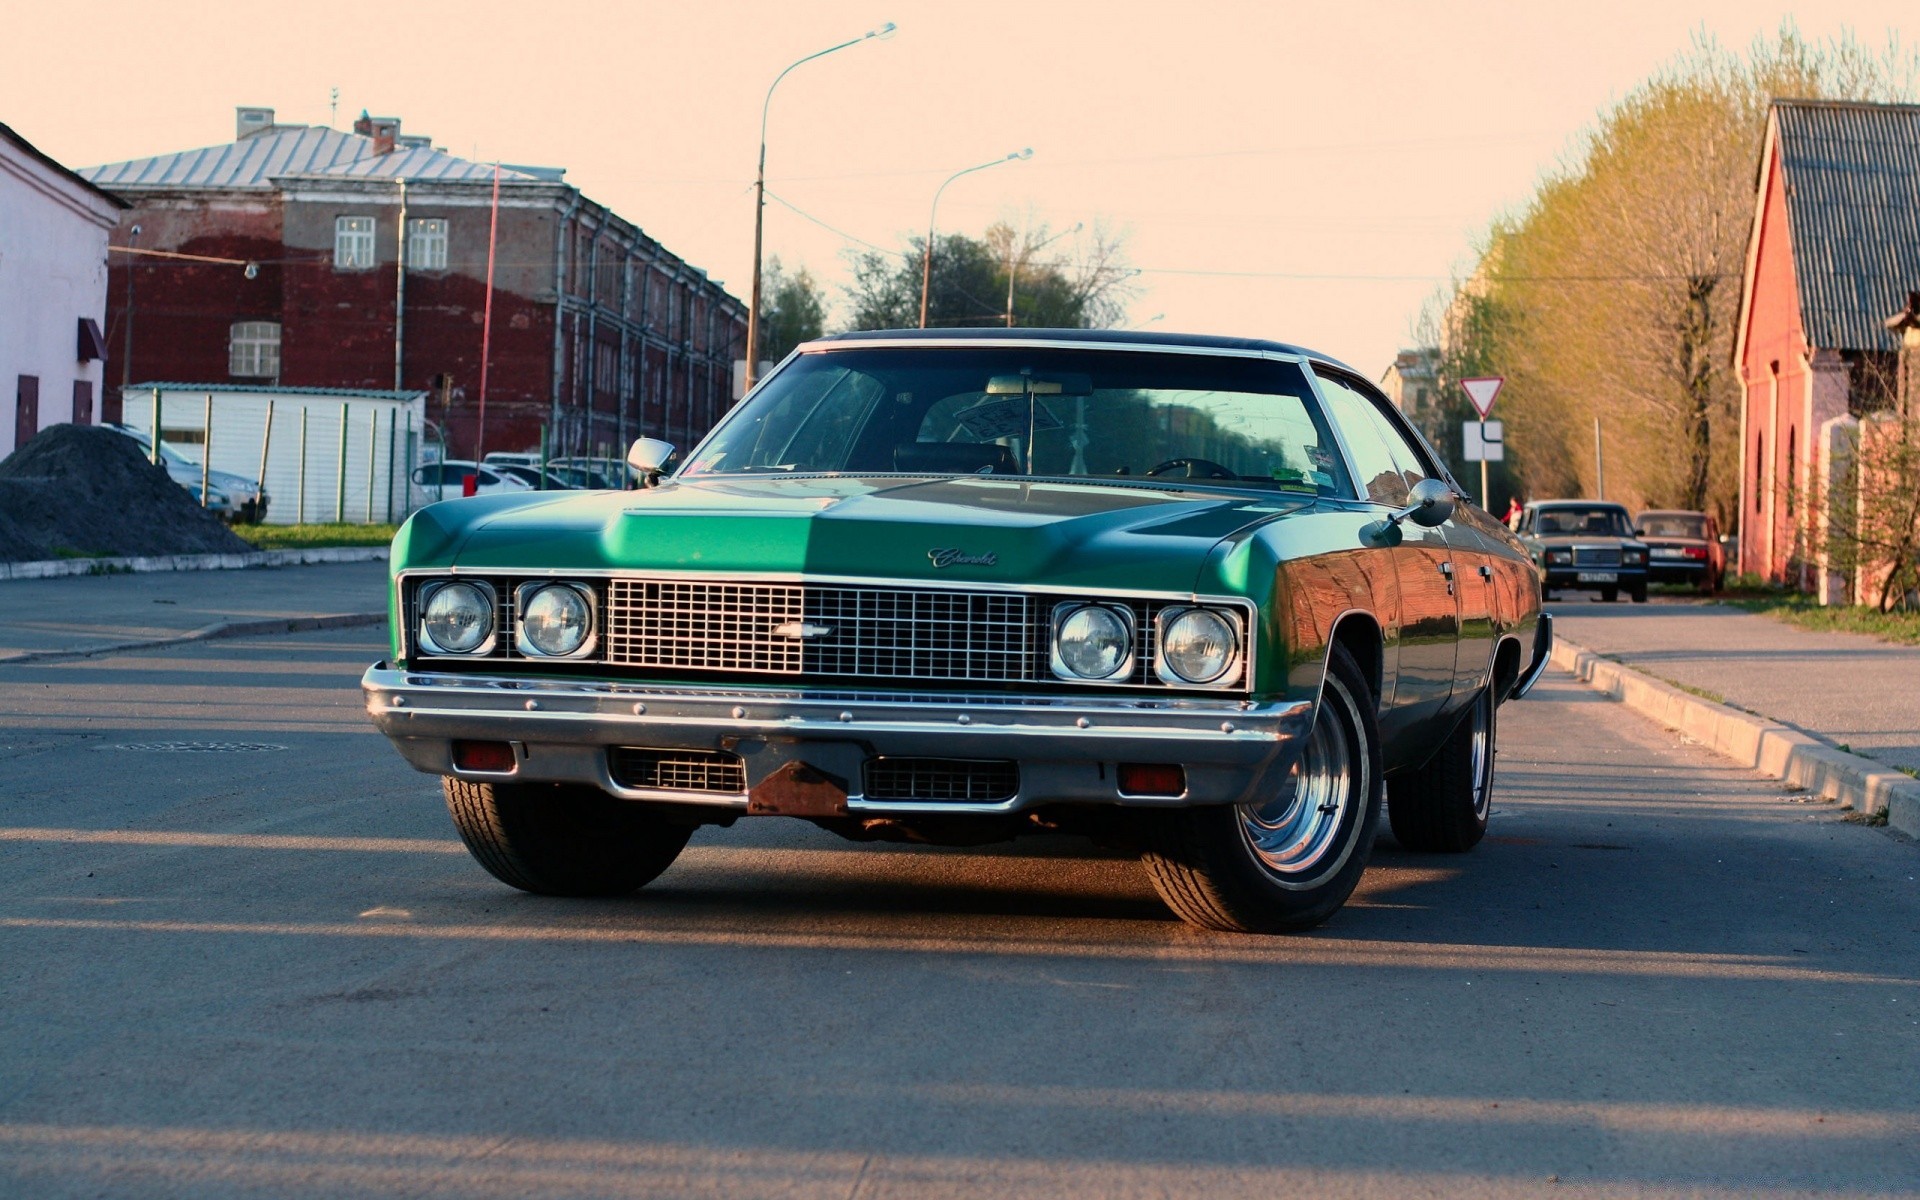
<point>1584,545</point>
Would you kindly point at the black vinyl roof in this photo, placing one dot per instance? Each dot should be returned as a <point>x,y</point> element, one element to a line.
<point>1091,337</point>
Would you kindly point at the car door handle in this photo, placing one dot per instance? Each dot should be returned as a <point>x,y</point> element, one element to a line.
<point>1446,568</point>
<point>1486,572</point>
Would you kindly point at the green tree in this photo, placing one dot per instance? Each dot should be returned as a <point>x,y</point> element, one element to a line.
<point>969,278</point>
<point>793,309</point>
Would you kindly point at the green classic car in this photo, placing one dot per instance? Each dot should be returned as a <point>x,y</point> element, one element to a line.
<point>1208,599</point>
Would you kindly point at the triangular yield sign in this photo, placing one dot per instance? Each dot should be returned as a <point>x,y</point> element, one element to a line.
<point>1482,391</point>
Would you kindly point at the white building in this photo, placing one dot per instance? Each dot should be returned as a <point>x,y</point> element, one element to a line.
<point>53,291</point>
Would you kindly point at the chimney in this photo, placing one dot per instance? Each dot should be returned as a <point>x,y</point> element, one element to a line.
<point>249,121</point>
<point>385,131</point>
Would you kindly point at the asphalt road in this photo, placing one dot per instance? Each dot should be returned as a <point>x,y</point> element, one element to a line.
<point>274,972</point>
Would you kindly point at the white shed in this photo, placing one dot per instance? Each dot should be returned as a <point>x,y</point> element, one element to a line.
<point>333,454</point>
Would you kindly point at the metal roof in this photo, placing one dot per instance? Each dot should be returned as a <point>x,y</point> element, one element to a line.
<point>131,390</point>
<point>1852,174</point>
<point>292,151</point>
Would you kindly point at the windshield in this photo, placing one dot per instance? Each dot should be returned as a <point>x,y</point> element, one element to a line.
<point>1673,525</point>
<point>1603,522</point>
<point>1013,410</point>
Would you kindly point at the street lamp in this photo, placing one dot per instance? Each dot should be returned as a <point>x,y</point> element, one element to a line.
<point>926,254</point>
<point>760,194</point>
<point>1078,225</point>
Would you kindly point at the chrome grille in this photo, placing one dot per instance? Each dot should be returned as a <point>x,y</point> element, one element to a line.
<point>792,629</point>
<point>1596,556</point>
<point>678,770</point>
<point>702,626</point>
<point>975,781</point>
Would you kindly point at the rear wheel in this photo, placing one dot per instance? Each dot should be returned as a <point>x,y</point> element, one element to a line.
<point>562,840</point>
<point>1443,806</point>
<point>1288,862</point>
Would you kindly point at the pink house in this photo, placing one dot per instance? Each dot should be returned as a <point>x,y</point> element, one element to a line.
<point>1834,252</point>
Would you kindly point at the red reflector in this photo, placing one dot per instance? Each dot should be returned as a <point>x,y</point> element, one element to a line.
<point>1694,551</point>
<point>483,756</point>
<point>1153,779</point>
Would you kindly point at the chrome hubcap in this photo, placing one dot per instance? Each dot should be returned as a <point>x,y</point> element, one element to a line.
<point>1482,755</point>
<point>1294,832</point>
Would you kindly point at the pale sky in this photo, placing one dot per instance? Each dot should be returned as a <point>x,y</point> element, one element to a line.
<point>1309,173</point>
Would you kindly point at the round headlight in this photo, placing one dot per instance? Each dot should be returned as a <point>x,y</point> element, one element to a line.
<point>458,618</point>
<point>1093,643</point>
<point>555,621</point>
<point>1198,646</point>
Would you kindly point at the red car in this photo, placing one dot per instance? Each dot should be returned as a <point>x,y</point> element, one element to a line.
<point>1683,547</point>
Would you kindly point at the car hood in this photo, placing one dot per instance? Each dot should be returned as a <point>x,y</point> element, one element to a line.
<point>958,531</point>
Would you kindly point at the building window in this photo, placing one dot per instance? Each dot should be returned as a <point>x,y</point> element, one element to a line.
<point>353,243</point>
<point>253,351</point>
<point>427,244</point>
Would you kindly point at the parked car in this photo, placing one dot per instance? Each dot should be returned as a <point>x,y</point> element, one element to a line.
<point>232,498</point>
<point>447,480</point>
<point>1211,599</point>
<point>512,458</point>
<point>1683,547</point>
<point>590,472</point>
<point>531,476</point>
<point>1584,545</point>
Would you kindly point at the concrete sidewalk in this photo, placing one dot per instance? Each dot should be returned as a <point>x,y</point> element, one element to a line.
<point>1846,689</point>
<point>90,613</point>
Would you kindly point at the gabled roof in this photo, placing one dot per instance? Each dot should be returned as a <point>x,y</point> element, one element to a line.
<point>1852,175</point>
<point>67,173</point>
<point>294,151</point>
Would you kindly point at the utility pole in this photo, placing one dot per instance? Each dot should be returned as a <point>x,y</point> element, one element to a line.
<point>1599,463</point>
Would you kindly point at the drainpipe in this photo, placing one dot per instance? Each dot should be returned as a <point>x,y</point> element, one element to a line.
<point>400,293</point>
<point>560,240</point>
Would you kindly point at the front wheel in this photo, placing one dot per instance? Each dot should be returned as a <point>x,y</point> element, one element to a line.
<point>1609,595</point>
<point>1443,806</point>
<point>562,840</point>
<point>1288,862</point>
<point>1639,593</point>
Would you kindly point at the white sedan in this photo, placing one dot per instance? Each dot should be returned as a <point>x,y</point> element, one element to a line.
<point>449,481</point>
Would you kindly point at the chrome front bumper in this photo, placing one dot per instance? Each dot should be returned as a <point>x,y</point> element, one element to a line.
<point>1067,747</point>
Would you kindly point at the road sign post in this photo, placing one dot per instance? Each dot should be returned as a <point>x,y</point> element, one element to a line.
<point>1481,392</point>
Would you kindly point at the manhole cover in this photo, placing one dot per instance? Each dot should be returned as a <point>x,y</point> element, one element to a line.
<point>201,747</point>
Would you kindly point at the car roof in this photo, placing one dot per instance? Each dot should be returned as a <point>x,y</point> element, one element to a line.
<point>1132,339</point>
<point>1578,504</point>
<point>1671,512</point>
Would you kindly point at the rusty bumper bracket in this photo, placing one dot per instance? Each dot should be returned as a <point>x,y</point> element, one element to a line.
<point>798,789</point>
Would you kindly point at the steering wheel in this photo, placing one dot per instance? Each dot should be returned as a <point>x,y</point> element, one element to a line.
<point>1197,468</point>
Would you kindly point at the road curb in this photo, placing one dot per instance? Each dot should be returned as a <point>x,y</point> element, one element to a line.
<point>1767,746</point>
<point>61,568</point>
<point>219,629</point>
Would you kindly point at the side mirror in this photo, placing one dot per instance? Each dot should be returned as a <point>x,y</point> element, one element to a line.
<point>649,457</point>
<point>1429,503</point>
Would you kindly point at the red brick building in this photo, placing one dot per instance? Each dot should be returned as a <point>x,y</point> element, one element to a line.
<point>276,259</point>
<point>1835,251</point>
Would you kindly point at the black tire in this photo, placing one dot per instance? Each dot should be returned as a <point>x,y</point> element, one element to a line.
<point>562,840</point>
<point>1204,861</point>
<point>1546,593</point>
<point>1639,593</point>
<point>1609,595</point>
<point>1442,807</point>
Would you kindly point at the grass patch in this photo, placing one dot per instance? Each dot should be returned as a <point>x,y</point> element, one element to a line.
<point>315,537</point>
<point>1796,608</point>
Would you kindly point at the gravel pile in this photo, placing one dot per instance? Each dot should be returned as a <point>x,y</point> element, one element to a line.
<point>83,490</point>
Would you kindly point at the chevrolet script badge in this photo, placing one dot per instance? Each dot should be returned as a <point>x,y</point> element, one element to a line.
<point>952,557</point>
